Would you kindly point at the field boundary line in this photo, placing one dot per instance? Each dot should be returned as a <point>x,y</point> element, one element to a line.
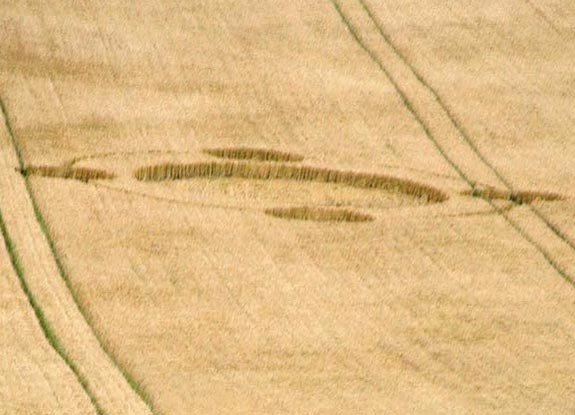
<point>410,107</point>
<point>132,384</point>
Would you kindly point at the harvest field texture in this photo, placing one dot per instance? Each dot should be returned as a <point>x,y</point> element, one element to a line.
<point>287,207</point>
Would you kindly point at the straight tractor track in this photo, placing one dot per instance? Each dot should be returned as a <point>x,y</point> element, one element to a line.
<point>409,105</point>
<point>49,332</point>
<point>457,124</point>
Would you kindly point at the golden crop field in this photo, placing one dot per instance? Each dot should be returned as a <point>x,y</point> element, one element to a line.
<point>287,207</point>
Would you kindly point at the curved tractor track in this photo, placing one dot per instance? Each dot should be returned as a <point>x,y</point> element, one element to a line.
<point>44,281</point>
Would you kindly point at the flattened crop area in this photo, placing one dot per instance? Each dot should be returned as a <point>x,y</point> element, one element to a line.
<point>286,207</point>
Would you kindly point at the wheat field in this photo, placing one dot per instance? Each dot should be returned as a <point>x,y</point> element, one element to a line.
<point>287,207</point>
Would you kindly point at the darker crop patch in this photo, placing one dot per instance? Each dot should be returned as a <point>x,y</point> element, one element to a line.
<point>248,153</point>
<point>266,171</point>
<point>76,173</point>
<point>519,197</point>
<point>319,214</point>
